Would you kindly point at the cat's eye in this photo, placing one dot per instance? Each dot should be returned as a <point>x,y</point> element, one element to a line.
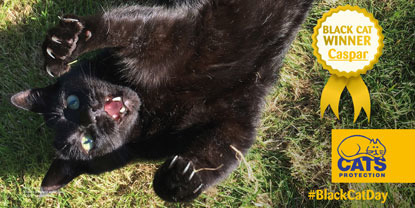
<point>87,143</point>
<point>72,102</point>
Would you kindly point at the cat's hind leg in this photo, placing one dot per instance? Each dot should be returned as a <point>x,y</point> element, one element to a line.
<point>210,159</point>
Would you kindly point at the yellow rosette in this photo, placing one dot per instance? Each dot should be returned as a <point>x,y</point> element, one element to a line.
<point>347,42</point>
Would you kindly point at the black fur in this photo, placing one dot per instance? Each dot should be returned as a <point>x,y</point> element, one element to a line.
<point>193,75</point>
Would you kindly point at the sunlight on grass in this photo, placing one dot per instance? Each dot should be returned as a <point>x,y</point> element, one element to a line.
<point>12,12</point>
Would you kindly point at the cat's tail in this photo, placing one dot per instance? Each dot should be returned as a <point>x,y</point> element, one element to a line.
<point>356,156</point>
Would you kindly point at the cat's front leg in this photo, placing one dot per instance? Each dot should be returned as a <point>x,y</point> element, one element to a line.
<point>66,41</point>
<point>141,33</point>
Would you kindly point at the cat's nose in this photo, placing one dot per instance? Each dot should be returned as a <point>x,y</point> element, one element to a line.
<point>86,118</point>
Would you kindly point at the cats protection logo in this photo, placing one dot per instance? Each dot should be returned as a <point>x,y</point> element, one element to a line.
<point>347,42</point>
<point>372,155</point>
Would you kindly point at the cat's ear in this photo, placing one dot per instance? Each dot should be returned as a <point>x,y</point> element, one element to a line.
<point>33,99</point>
<point>60,173</point>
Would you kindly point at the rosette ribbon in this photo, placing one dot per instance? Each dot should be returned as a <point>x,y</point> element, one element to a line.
<point>357,89</point>
<point>347,60</point>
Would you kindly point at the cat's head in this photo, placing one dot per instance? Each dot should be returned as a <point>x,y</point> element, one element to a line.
<point>91,118</point>
<point>376,148</point>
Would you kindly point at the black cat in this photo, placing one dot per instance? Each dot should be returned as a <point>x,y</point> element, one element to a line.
<point>184,81</point>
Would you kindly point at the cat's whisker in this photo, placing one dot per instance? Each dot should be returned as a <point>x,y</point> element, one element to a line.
<point>62,148</point>
<point>66,19</point>
<point>74,152</point>
<point>52,113</point>
<point>113,146</point>
<point>54,116</point>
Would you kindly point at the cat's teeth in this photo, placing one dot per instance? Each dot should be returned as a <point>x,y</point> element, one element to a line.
<point>123,110</point>
<point>107,99</point>
<point>116,99</point>
<point>115,116</point>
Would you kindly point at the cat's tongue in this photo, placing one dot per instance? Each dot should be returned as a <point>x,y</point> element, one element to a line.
<point>113,108</point>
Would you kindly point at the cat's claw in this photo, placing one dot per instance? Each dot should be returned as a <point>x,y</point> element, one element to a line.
<point>173,161</point>
<point>198,188</point>
<point>186,168</point>
<point>56,40</point>
<point>191,175</point>
<point>88,35</point>
<point>49,51</point>
<point>48,71</point>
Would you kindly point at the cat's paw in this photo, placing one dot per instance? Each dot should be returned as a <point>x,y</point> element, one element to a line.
<point>62,44</point>
<point>177,181</point>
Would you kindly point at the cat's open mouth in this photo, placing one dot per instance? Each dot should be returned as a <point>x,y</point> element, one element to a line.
<point>115,108</point>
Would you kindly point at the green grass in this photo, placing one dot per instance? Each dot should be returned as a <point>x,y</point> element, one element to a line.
<point>292,152</point>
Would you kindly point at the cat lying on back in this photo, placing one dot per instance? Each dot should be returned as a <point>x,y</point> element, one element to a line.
<point>184,81</point>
